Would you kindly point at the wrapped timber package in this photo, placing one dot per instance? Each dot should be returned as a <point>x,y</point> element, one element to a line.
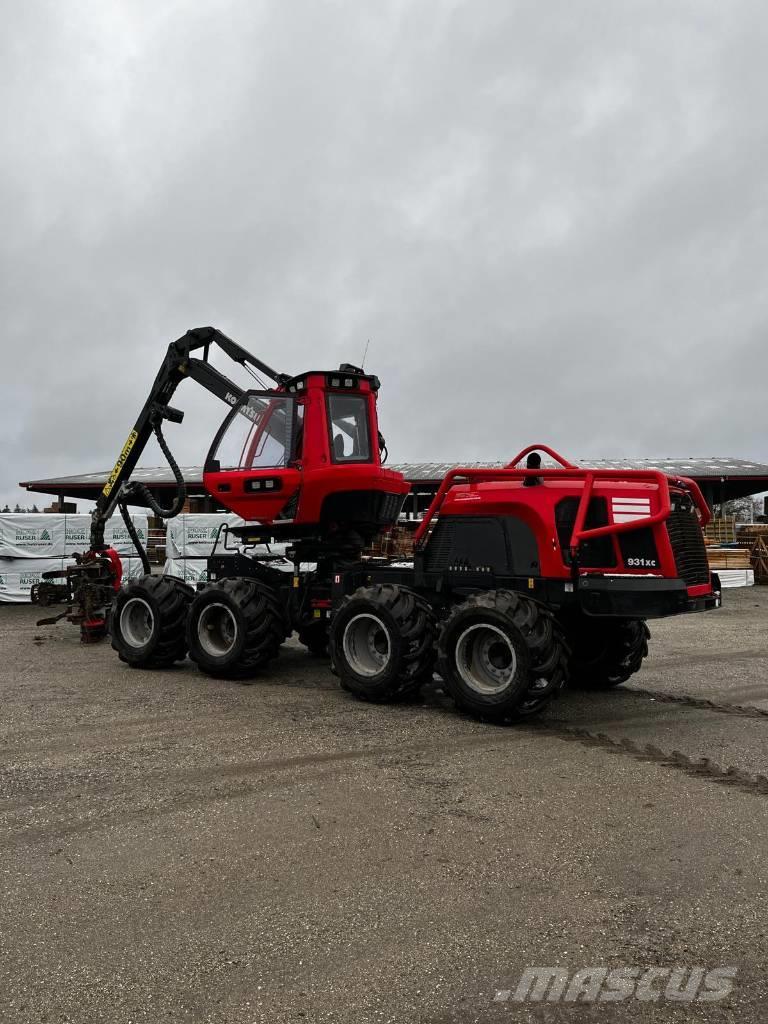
<point>190,539</point>
<point>194,535</point>
<point>191,536</point>
<point>191,570</point>
<point>736,577</point>
<point>33,535</point>
<point>19,575</point>
<point>77,533</point>
<point>53,535</point>
<point>34,543</point>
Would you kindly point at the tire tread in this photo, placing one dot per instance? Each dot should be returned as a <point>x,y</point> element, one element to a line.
<point>544,641</point>
<point>172,597</point>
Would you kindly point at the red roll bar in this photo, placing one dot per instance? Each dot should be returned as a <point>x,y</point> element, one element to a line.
<point>570,472</point>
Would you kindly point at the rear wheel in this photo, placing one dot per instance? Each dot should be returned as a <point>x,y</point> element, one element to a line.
<point>382,642</point>
<point>502,657</point>
<point>605,652</point>
<point>235,627</point>
<point>147,621</point>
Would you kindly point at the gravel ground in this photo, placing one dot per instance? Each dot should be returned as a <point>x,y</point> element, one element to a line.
<point>176,848</point>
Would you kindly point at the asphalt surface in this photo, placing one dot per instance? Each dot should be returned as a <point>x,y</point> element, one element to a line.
<point>176,848</point>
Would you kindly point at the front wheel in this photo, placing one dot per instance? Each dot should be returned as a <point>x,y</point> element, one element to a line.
<point>382,642</point>
<point>502,656</point>
<point>605,652</point>
<point>147,621</point>
<point>235,627</point>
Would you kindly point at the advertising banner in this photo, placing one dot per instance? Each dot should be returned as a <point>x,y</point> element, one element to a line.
<point>191,535</point>
<point>31,535</point>
<point>77,533</point>
<point>191,570</point>
<point>116,535</point>
<point>53,535</point>
<point>19,575</point>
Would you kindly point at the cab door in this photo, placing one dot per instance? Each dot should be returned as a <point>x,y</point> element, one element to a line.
<point>249,468</point>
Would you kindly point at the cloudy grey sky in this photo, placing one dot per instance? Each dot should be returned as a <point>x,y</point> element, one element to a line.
<point>549,218</point>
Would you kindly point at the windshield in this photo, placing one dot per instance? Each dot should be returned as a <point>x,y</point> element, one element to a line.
<point>259,435</point>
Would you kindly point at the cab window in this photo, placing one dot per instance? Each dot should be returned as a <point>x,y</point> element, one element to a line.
<point>348,427</point>
<point>258,434</point>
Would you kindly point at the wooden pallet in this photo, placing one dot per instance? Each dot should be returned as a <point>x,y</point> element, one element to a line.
<point>759,558</point>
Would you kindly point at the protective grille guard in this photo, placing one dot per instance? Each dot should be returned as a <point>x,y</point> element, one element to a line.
<point>570,471</point>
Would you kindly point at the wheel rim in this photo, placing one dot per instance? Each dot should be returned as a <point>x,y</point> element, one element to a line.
<point>486,659</point>
<point>217,630</point>
<point>137,622</point>
<point>366,644</point>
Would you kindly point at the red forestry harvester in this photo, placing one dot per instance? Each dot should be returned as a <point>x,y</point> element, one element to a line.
<point>522,578</point>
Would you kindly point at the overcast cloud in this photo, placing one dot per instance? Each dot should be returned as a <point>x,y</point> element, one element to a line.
<point>549,218</point>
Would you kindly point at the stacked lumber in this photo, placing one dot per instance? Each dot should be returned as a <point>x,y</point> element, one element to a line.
<point>397,543</point>
<point>721,530</point>
<point>748,533</point>
<point>729,558</point>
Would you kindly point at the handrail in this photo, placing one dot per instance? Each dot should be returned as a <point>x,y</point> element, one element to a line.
<point>540,448</point>
<point>579,534</point>
<point>569,472</point>
<point>699,499</point>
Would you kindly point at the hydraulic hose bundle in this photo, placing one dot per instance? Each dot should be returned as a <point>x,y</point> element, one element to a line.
<point>143,492</point>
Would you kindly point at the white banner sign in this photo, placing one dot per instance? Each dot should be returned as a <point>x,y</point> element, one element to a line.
<point>132,568</point>
<point>116,535</point>
<point>35,535</point>
<point>191,570</point>
<point>192,535</point>
<point>77,533</point>
<point>53,535</point>
<point>19,575</point>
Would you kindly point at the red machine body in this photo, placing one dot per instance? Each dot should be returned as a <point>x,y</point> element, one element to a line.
<point>604,523</point>
<point>306,454</point>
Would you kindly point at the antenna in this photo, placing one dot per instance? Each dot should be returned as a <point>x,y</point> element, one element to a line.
<point>362,365</point>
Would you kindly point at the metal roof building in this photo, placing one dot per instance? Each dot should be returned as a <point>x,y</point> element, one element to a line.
<point>720,479</point>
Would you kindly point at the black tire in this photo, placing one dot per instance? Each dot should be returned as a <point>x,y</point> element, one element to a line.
<point>235,627</point>
<point>605,652</point>
<point>314,636</point>
<point>502,656</point>
<point>382,643</point>
<point>148,619</point>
